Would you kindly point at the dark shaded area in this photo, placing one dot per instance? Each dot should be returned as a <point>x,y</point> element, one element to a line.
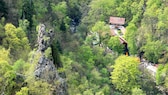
<point>56,50</point>
<point>2,35</point>
<point>62,26</point>
<point>126,50</point>
<point>3,9</point>
<point>141,53</point>
<point>74,13</point>
<point>56,56</point>
<point>148,85</point>
<point>28,12</point>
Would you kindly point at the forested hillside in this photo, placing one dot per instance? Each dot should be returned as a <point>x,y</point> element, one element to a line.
<point>65,47</point>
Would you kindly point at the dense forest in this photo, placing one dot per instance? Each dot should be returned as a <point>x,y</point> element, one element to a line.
<point>64,47</point>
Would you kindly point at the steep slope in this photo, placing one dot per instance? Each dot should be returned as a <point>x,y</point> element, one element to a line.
<point>45,68</point>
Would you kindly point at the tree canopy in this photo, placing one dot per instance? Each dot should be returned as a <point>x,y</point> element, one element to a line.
<point>125,74</point>
<point>85,55</point>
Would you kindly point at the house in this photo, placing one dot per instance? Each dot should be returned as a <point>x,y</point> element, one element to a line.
<point>116,21</point>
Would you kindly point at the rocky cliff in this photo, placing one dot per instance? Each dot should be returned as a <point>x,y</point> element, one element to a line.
<point>45,69</point>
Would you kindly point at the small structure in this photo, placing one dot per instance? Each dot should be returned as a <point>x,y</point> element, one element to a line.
<point>115,25</point>
<point>116,21</point>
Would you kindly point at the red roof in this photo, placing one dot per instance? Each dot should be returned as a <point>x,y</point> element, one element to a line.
<point>117,20</point>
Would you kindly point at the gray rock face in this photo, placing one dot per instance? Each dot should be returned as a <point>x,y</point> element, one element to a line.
<point>44,38</point>
<point>45,68</point>
<point>149,67</point>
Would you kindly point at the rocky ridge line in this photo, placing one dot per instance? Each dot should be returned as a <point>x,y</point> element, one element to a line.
<point>45,68</point>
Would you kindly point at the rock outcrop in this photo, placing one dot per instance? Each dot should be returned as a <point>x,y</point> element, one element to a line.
<point>150,67</point>
<point>45,68</point>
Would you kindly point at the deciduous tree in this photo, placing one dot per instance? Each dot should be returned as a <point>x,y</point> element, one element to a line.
<point>16,41</point>
<point>125,74</point>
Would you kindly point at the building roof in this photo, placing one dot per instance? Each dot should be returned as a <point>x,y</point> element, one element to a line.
<point>117,20</point>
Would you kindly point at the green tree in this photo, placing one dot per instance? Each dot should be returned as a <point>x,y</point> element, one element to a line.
<point>7,75</point>
<point>27,12</point>
<point>88,92</point>
<point>16,41</point>
<point>19,65</point>
<point>74,11</point>
<point>160,75</point>
<point>100,10</point>
<point>23,91</point>
<point>125,74</point>
<point>61,20</point>
<point>24,24</point>
<point>85,54</point>
<point>142,36</point>
<point>4,54</point>
<point>38,87</point>
<point>137,91</point>
<point>103,29</point>
<point>28,21</point>
<point>2,32</point>
<point>40,9</point>
<point>115,44</point>
<point>131,38</point>
<point>153,50</point>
